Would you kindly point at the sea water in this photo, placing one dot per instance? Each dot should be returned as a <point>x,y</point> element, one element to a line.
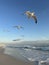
<point>28,52</point>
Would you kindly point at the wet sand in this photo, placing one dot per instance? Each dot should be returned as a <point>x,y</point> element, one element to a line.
<point>9,60</point>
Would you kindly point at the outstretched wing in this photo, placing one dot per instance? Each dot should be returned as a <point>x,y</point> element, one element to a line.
<point>34,17</point>
<point>16,27</point>
<point>28,14</point>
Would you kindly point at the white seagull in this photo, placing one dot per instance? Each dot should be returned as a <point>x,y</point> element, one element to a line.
<point>16,39</point>
<point>18,27</point>
<point>31,15</point>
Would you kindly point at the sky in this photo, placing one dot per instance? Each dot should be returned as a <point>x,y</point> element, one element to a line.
<point>11,14</point>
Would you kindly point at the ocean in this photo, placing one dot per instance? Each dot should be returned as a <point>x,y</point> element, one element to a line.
<point>27,52</point>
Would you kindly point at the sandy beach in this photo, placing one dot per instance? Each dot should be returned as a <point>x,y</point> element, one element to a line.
<point>9,60</point>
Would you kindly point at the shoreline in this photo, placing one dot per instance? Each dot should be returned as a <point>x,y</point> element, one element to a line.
<point>6,59</point>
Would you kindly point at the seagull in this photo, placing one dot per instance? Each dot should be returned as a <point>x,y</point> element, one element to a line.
<point>6,30</point>
<point>18,27</point>
<point>22,35</point>
<point>31,15</point>
<point>17,40</point>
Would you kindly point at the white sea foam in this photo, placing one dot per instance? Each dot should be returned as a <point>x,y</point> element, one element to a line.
<point>31,59</point>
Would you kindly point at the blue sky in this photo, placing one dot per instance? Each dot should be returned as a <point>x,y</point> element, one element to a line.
<point>11,14</point>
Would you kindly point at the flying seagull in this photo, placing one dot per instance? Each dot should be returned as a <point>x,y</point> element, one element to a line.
<point>31,15</point>
<point>16,39</point>
<point>18,27</point>
<point>6,30</point>
<point>22,35</point>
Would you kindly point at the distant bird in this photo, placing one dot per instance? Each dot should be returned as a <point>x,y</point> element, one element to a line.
<point>17,40</point>
<point>6,30</point>
<point>31,15</point>
<point>18,27</point>
<point>22,35</point>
